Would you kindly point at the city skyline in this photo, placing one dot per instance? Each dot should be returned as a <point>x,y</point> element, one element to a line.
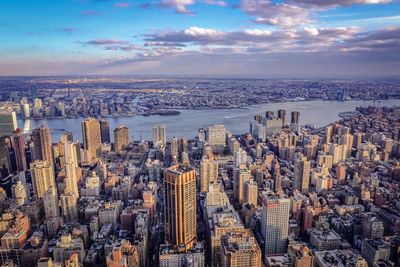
<point>187,37</point>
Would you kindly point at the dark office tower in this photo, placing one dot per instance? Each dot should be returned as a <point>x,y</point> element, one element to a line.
<point>258,118</point>
<point>282,115</point>
<point>4,160</point>
<point>180,206</point>
<point>41,138</point>
<point>121,138</point>
<point>295,117</point>
<point>183,145</point>
<point>34,92</point>
<point>19,148</point>
<point>91,137</point>
<point>269,114</point>
<point>105,131</point>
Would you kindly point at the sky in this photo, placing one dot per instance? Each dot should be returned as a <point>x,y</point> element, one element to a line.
<point>239,38</point>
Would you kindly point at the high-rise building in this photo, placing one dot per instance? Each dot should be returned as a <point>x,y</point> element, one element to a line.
<point>105,131</point>
<point>301,174</point>
<point>240,158</point>
<point>50,200</point>
<point>282,116</point>
<point>8,123</point>
<point>250,192</point>
<point>208,173</point>
<point>41,138</point>
<point>272,125</point>
<point>240,177</point>
<point>19,148</point>
<point>42,174</point>
<point>5,165</point>
<point>222,221</point>
<point>121,138</point>
<point>159,135</point>
<point>180,205</point>
<point>373,250</point>
<point>25,111</point>
<point>240,249</point>
<point>174,148</point>
<point>69,206</point>
<point>275,222</point>
<point>34,92</point>
<point>20,194</point>
<point>71,180</point>
<point>72,153</point>
<point>216,137</point>
<point>295,117</point>
<point>91,137</point>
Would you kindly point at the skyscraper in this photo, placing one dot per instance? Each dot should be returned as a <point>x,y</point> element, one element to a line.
<point>91,137</point>
<point>42,174</point>
<point>208,172</point>
<point>240,177</point>
<point>159,135</point>
<point>301,175</point>
<point>282,116</point>
<point>174,148</point>
<point>180,205</point>
<point>50,200</point>
<point>41,138</point>
<point>8,123</point>
<point>71,182</point>
<point>121,138</point>
<point>25,111</point>
<point>68,206</point>
<point>105,131</point>
<point>295,117</point>
<point>275,222</point>
<point>34,92</point>
<point>19,148</point>
<point>5,166</point>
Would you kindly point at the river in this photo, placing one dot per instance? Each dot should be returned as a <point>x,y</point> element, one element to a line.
<point>318,113</point>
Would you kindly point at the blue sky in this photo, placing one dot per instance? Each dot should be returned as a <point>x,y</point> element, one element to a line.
<point>246,37</point>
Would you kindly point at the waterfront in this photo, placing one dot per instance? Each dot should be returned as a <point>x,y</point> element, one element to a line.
<point>319,113</point>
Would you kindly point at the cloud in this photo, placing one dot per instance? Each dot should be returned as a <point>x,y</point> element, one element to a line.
<point>178,5</point>
<point>126,48</point>
<point>277,14</point>
<point>121,5</point>
<point>67,29</point>
<point>34,33</point>
<point>90,13</point>
<point>146,5</point>
<point>215,2</point>
<point>345,3</point>
<point>175,44</point>
<point>105,42</point>
<point>254,38</point>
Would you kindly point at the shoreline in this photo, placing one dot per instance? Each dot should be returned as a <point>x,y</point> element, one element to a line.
<point>166,112</point>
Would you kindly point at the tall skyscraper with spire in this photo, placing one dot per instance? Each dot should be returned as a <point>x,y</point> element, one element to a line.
<point>91,137</point>
<point>180,206</point>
